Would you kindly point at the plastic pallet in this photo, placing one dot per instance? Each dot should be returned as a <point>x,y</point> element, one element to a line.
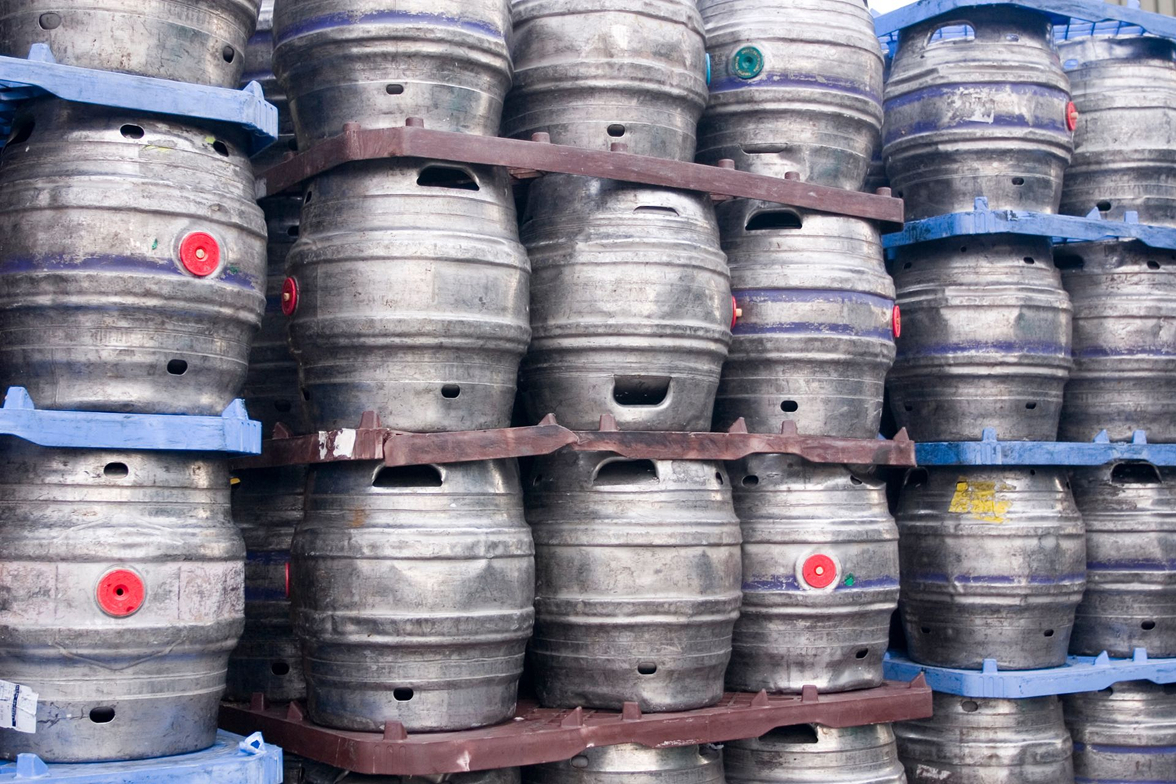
<point>41,74</point>
<point>232,431</point>
<point>1078,674</point>
<point>231,760</point>
<point>991,452</point>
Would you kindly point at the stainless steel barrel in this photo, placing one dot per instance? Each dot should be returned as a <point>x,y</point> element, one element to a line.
<point>133,263</point>
<point>184,41</point>
<point>993,564</point>
<point>630,305</point>
<point>1130,601</point>
<point>978,111</point>
<point>987,741</point>
<point>633,764</point>
<point>1124,377</point>
<point>408,293</point>
<point>807,753</point>
<point>121,584</point>
<point>638,581</point>
<point>379,62</point>
<point>595,72</point>
<point>820,577</point>
<point>986,331</point>
<point>1126,733</point>
<point>815,337</point>
<point>412,591</point>
<point>1124,89</point>
<point>795,87</point>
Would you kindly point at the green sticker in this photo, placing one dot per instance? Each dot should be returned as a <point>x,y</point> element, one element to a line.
<point>849,581</point>
<point>154,244</point>
<point>748,62</point>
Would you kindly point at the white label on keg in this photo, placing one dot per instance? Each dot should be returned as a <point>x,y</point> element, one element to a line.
<point>18,707</point>
<point>928,773</point>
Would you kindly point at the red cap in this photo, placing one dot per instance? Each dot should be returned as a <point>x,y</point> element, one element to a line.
<point>120,592</point>
<point>819,571</point>
<point>896,321</point>
<point>289,297</point>
<point>1071,116</point>
<point>734,311</point>
<point>200,254</point>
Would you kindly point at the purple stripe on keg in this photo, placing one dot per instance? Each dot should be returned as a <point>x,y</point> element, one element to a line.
<point>809,81</point>
<point>345,19</point>
<point>1137,565</point>
<point>788,582</point>
<point>1084,780</point>
<point>937,92</point>
<point>1041,348</point>
<point>1097,352</point>
<point>230,275</point>
<point>996,579</point>
<point>749,326</point>
<point>1113,749</point>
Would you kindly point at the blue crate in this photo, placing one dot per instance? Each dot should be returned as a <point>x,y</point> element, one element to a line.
<point>231,760</point>
<point>989,451</point>
<point>40,74</point>
<point>232,431</point>
<point>1078,674</point>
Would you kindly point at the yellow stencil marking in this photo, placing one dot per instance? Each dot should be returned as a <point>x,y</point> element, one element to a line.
<point>979,500</point>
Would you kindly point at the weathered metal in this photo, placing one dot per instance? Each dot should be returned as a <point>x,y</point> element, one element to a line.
<point>984,741</point>
<point>591,73</point>
<point>122,576</point>
<point>1130,602</point>
<point>984,113</point>
<point>807,753</point>
<point>169,39</point>
<point>1124,733</point>
<point>1124,377</point>
<point>133,264</point>
<point>377,63</point>
<point>637,590</point>
<point>815,333</point>
<point>1124,89</point>
<point>986,336</point>
<point>631,307</point>
<point>797,87</point>
<point>820,577</point>
<point>412,591</point>
<point>633,764</point>
<point>993,564</point>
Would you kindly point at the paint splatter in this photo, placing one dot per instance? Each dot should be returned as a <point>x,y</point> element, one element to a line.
<point>980,500</point>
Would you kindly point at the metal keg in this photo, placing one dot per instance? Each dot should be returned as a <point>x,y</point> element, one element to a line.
<point>1130,601</point>
<point>592,73</point>
<point>413,594</point>
<point>267,505</point>
<point>982,112</point>
<point>318,773</point>
<point>633,764</point>
<point>808,753</point>
<point>1124,377</point>
<point>638,566</point>
<point>630,305</point>
<point>796,86</point>
<point>815,336</point>
<point>820,576</point>
<point>408,296</point>
<point>133,263</point>
<point>986,331</point>
<point>379,62</point>
<point>121,589</point>
<point>993,564</point>
<point>1124,88</point>
<point>1124,733</point>
<point>169,39</point>
<point>987,741</point>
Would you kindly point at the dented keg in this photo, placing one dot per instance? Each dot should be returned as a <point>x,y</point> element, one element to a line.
<point>985,343</point>
<point>1124,377</point>
<point>408,296</point>
<point>820,577</point>
<point>120,584</point>
<point>633,764</point>
<point>1130,601</point>
<point>180,40</point>
<point>1124,88</point>
<point>1124,733</point>
<point>638,566</point>
<point>797,87</point>
<point>133,263</point>
<point>982,112</point>
<point>412,590</point>
<point>814,338</point>
<point>377,63</point>
<point>630,305</point>
<point>993,566</point>
<point>807,753</point>
<point>987,741</point>
<point>591,73</point>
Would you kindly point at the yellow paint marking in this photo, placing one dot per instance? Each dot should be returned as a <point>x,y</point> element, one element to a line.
<point>979,500</point>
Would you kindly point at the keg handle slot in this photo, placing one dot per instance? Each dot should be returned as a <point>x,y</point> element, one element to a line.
<point>951,33</point>
<point>454,177</point>
<point>774,220</point>
<point>1136,474</point>
<point>407,477</point>
<point>625,472</point>
<point>641,390</point>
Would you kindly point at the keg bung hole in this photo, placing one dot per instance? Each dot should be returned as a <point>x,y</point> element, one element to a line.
<point>646,668</point>
<point>1103,206</point>
<point>863,653</point>
<point>394,89</point>
<point>402,477</point>
<point>616,473</point>
<point>719,477</point>
<point>102,715</point>
<point>963,249</point>
<point>751,480</point>
<point>616,130</point>
<point>131,131</point>
<point>293,231</point>
<point>280,668</point>
<point>907,407</point>
<point>796,734</point>
<point>447,177</point>
<point>969,706</point>
<point>177,367</point>
<point>641,390</point>
<point>221,148</point>
<point>450,391</point>
<point>789,406</point>
<point>925,629</point>
<point>907,266</point>
<point>1153,265</point>
<point>1048,632</point>
<point>115,470</point>
<point>1030,406</point>
<point>292,145</point>
<point>1147,626</point>
<point>1018,181</point>
<point>309,195</point>
<point>305,394</point>
<point>21,133</point>
<point>402,694</point>
<point>579,762</point>
<point>49,21</point>
<point>774,220</point>
<point>229,54</point>
<point>1029,260</point>
<point>1135,474</point>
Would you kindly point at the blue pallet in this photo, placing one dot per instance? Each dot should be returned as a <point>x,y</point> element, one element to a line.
<point>1078,674</point>
<point>231,760</point>
<point>40,74</point>
<point>232,431</point>
<point>991,452</point>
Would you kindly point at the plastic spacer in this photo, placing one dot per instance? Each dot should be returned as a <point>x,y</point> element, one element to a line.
<point>1071,116</point>
<point>819,571</point>
<point>896,321</point>
<point>120,593</point>
<point>200,254</point>
<point>289,297</point>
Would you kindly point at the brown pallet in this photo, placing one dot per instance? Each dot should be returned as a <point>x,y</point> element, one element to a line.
<point>526,159</point>
<point>538,735</point>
